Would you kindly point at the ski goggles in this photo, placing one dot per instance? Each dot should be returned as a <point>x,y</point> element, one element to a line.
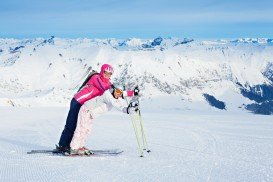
<point>108,73</point>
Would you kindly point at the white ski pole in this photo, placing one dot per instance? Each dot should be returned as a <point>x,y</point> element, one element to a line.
<point>135,127</point>
<point>144,140</point>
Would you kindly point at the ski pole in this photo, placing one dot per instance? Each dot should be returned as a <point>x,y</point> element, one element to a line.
<point>136,132</point>
<point>139,118</point>
<point>144,140</point>
<point>134,122</point>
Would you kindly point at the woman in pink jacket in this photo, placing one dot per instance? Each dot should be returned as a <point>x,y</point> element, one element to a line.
<point>96,86</point>
<point>91,110</point>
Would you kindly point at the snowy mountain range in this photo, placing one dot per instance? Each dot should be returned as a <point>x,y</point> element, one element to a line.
<point>173,73</point>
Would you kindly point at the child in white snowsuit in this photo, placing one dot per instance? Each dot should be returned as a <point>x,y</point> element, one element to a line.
<point>93,109</point>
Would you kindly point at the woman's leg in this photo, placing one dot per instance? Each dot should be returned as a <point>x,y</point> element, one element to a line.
<point>70,125</point>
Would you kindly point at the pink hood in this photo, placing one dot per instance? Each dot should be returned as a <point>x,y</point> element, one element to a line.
<point>106,67</point>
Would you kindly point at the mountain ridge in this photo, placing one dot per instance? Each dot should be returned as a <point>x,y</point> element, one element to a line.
<point>48,71</point>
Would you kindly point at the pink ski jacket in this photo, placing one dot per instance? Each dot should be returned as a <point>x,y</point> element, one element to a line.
<point>96,86</point>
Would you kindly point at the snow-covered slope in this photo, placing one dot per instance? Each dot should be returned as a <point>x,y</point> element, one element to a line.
<point>48,71</point>
<point>186,146</point>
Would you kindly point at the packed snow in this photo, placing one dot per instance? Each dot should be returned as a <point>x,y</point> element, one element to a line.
<point>186,146</point>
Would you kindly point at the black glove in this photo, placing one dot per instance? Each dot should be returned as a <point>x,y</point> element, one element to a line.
<point>132,107</point>
<point>136,91</point>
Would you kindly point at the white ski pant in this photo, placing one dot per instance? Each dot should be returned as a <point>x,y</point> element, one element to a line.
<point>84,125</point>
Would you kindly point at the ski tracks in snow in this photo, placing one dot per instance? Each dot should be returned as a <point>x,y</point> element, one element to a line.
<point>214,149</point>
<point>202,143</point>
<point>184,148</point>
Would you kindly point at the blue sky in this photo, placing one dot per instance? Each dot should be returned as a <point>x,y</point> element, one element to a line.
<point>136,18</point>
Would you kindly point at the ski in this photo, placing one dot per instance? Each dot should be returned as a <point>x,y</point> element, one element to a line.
<point>94,152</point>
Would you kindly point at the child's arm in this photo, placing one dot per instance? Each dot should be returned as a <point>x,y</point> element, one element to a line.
<point>119,104</point>
<point>131,93</point>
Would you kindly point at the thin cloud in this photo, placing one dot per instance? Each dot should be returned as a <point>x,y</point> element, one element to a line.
<point>136,15</point>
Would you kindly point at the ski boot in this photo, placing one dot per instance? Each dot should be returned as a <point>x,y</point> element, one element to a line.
<point>61,150</point>
<point>80,151</point>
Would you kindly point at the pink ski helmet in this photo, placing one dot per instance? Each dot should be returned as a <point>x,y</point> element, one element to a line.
<point>106,67</point>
